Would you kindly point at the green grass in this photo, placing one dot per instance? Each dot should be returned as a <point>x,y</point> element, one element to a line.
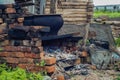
<point>106,13</point>
<point>117,42</point>
<point>7,73</point>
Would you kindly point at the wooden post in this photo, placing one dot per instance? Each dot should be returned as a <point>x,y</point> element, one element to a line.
<point>86,34</point>
<point>53,6</point>
<point>42,6</point>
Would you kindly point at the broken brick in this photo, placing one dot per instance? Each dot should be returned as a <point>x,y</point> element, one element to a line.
<point>32,55</point>
<point>93,67</point>
<point>42,55</point>
<point>38,43</point>
<point>24,66</point>
<point>11,60</point>
<point>19,54</point>
<point>10,10</point>
<point>50,60</point>
<point>4,54</point>
<point>20,20</point>
<point>41,49</point>
<point>25,60</point>
<point>50,69</point>
<point>84,54</point>
<point>60,77</point>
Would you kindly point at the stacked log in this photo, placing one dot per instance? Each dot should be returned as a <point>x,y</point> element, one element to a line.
<point>73,12</point>
<point>115,26</point>
<point>115,31</point>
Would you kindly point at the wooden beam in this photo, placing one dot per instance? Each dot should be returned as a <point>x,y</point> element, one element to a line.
<point>53,6</point>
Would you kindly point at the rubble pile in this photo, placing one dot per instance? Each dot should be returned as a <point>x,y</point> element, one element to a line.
<point>60,54</point>
<point>73,65</point>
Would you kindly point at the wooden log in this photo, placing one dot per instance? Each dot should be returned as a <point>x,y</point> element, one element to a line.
<point>75,16</point>
<point>72,7</point>
<point>76,22</point>
<point>70,4</point>
<point>75,19</point>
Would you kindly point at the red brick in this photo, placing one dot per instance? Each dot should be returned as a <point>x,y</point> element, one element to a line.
<point>93,67</point>
<point>60,77</point>
<point>10,10</point>
<point>78,61</point>
<point>19,49</point>
<point>20,20</point>
<point>84,54</point>
<point>5,43</point>
<point>32,55</point>
<point>37,68</point>
<point>24,66</point>
<point>11,60</point>
<point>12,54</point>
<point>42,55</point>
<point>4,54</point>
<point>41,49</point>
<point>1,20</point>
<point>50,60</point>
<point>7,48</point>
<point>26,42</point>
<point>19,54</point>
<point>38,43</point>
<point>25,60</point>
<point>50,69</point>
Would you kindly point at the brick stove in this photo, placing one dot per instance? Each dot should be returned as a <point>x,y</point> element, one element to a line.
<point>21,37</point>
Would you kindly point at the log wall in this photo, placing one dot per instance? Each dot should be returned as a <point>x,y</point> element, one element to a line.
<point>73,11</point>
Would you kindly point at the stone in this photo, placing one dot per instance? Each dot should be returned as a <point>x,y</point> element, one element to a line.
<point>100,57</point>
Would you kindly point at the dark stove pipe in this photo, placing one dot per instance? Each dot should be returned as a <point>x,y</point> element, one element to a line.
<point>55,22</point>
